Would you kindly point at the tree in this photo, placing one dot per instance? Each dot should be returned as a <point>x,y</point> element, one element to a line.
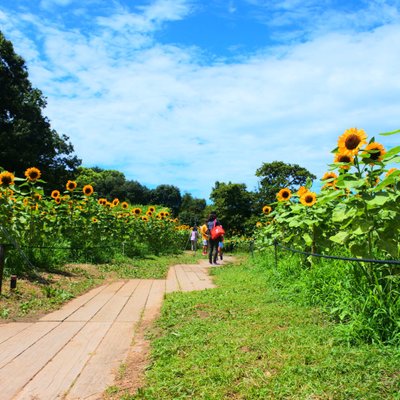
<point>278,175</point>
<point>233,204</point>
<point>26,137</point>
<point>192,210</point>
<point>168,196</point>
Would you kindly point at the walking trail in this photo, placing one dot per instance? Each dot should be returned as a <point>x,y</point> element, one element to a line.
<point>74,353</point>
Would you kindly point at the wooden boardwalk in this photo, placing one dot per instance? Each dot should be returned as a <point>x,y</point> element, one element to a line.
<point>74,352</point>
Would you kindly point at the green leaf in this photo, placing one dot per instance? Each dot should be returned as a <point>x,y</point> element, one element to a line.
<point>340,237</point>
<point>391,152</point>
<point>307,239</point>
<point>379,200</point>
<point>390,133</point>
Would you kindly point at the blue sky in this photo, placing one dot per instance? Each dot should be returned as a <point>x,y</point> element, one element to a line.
<point>188,92</point>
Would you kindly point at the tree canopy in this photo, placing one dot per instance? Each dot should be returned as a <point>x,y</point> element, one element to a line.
<point>26,137</point>
<point>278,175</point>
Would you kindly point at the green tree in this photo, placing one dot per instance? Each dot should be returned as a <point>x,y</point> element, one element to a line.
<point>233,204</point>
<point>26,137</point>
<point>168,196</point>
<point>278,175</point>
<point>192,210</point>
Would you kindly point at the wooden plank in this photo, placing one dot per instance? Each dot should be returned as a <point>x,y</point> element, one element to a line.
<point>89,309</point>
<point>23,340</point>
<point>16,374</point>
<point>129,287</point>
<point>183,279</point>
<point>134,306</point>
<point>54,380</point>
<point>11,329</point>
<point>73,305</point>
<point>172,284</point>
<point>100,370</point>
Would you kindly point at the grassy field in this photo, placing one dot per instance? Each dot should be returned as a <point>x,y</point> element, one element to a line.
<point>243,341</point>
<point>42,291</point>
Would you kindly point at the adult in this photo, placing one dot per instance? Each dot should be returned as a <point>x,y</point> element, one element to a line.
<point>212,243</point>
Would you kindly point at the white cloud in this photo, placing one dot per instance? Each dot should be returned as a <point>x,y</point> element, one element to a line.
<point>155,113</point>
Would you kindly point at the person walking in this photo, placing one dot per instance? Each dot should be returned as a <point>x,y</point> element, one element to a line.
<point>204,237</point>
<point>212,243</point>
<point>194,235</point>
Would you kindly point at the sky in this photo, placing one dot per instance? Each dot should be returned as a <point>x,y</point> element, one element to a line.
<point>190,92</point>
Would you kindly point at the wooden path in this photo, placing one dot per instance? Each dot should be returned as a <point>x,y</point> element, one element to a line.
<point>74,352</point>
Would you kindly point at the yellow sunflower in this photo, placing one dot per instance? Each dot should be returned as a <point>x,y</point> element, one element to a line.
<point>6,178</point>
<point>331,176</point>
<point>266,210</point>
<point>102,201</point>
<point>301,191</point>
<point>344,158</point>
<point>124,205</point>
<point>87,190</point>
<point>258,224</point>
<point>149,213</point>
<point>55,194</point>
<point>284,194</point>
<point>145,218</point>
<point>351,141</point>
<point>308,199</point>
<point>32,174</point>
<point>115,202</point>
<point>57,200</point>
<point>375,151</point>
<point>37,196</point>
<point>152,209</point>
<point>137,211</point>
<point>71,186</point>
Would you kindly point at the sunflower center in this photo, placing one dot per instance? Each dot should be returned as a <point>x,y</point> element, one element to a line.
<point>352,141</point>
<point>345,159</point>
<point>375,155</point>
<point>285,195</point>
<point>309,199</point>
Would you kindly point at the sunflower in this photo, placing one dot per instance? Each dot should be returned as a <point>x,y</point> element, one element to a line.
<point>266,210</point>
<point>331,176</point>
<point>144,218</point>
<point>6,178</point>
<point>55,194</point>
<point>149,213</point>
<point>57,200</point>
<point>71,186</point>
<point>152,209</point>
<point>166,214</point>
<point>87,190</point>
<point>308,199</point>
<point>284,194</point>
<point>115,202</point>
<point>375,151</point>
<point>351,141</point>
<point>137,211</point>
<point>102,201</point>
<point>95,220</point>
<point>391,170</point>
<point>37,196</point>
<point>344,158</point>
<point>258,224</point>
<point>32,174</point>
<point>124,205</point>
<point>301,191</point>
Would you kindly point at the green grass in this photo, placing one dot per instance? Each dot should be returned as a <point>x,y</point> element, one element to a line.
<point>243,341</point>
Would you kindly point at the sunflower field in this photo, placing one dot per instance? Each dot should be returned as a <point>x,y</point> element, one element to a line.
<point>74,226</point>
<point>355,215</point>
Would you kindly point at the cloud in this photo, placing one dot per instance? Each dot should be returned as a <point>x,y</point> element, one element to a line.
<point>160,114</point>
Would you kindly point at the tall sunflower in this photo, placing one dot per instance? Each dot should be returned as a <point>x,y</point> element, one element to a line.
<point>308,199</point>
<point>351,141</point>
<point>301,191</point>
<point>331,176</point>
<point>115,202</point>
<point>375,151</point>
<point>33,174</point>
<point>6,178</point>
<point>55,194</point>
<point>344,158</point>
<point>284,194</point>
<point>124,205</point>
<point>71,186</point>
<point>87,190</point>
<point>266,210</point>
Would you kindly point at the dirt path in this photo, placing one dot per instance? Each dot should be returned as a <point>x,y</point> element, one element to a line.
<point>75,352</point>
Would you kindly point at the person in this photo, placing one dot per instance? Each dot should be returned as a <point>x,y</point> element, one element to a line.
<point>194,234</point>
<point>204,237</point>
<point>212,243</point>
<point>221,247</point>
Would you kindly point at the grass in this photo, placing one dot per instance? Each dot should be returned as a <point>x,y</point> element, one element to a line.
<point>243,341</point>
<point>44,291</point>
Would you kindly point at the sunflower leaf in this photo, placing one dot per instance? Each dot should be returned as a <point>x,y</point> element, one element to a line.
<point>379,200</point>
<point>390,133</point>
<point>340,237</point>
<point>392,152</point>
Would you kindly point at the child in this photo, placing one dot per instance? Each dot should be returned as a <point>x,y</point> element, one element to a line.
<point>193,238</point>
<point>221,247</point>
<point>204,238</point>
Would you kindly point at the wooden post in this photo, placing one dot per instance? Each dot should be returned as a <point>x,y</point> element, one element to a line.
<point>2,252</point>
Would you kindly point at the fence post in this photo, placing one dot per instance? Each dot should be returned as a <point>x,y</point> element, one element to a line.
<point>252,247</point>
<point>276,253</point>
<point>2,256</point>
